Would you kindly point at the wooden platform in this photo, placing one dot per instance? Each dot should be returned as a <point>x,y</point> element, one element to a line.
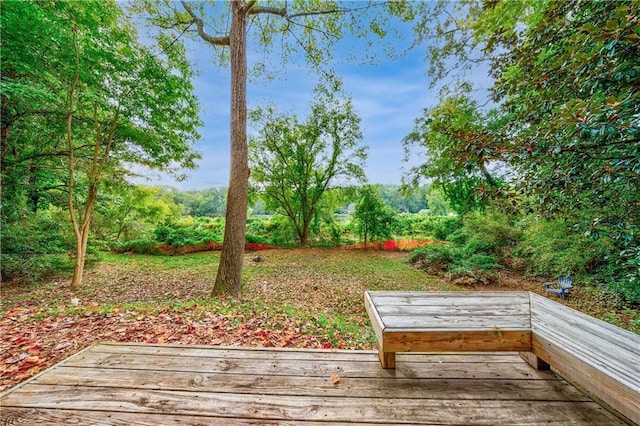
<point>426,321</point>
<point>192,385</point>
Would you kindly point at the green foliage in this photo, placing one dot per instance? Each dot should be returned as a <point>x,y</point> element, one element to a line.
<point>127,212</point>
<point>146,246</point>
<point>34,268</point>
<point>567,125</point>
<point>436,203</point>
<point>455,261</point>
<point>181,236</point>
<point>442,227</point>
<point>476,247</point>
<point>373,218</point>
<point>551,249</point>
<point>293,164</point>
<point>459,142</point>
<point>208,202</point>
<point>427,226</point>
<point>405,200</point>
<point>489,231</point>
<point>274,230</point>
<point>82,101</point>
<point>38,247</point>
<point>250,238</point>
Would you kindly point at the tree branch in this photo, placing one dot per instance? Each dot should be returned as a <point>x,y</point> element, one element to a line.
<point>282,12</point>
<point>217,41</point>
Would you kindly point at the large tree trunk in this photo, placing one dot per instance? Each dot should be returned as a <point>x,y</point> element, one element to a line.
<point>228,280</point>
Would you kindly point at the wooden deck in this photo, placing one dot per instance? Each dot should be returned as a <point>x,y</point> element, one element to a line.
<point>196,385</point>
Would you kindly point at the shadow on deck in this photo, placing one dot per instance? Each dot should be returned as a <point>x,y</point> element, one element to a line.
<point>197,385</point>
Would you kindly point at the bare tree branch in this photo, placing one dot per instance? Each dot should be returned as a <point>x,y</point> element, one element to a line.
<point>218,41</point>
<point>282,12</point>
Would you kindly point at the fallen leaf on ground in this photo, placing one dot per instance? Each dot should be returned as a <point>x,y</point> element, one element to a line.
<point>17,358</point>
<point>62,345</point>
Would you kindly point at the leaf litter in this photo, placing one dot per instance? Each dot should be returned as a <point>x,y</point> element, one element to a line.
<point>302,298</point>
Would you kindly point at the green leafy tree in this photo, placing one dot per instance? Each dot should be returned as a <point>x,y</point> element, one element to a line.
<point>128,212</point>
<point>460,144</point>
<point>293,164</point>
<point>572,90</point>
<point>436,204</point>
<point>374,219</point>
<point>406,200</point>
<point>566,79</point>
<point>306,29</point>
<point>108,101</point>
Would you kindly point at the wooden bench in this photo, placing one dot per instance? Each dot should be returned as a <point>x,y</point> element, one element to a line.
<point>448,322</point>
<point>598,357</point>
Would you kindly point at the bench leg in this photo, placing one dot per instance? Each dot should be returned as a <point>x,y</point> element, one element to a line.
<point>534,361</point>
<point>387,359</point>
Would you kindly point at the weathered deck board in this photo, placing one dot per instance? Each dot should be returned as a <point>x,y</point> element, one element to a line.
<point>448,321</point>
<point>164,384</point>
<point>601,358</point>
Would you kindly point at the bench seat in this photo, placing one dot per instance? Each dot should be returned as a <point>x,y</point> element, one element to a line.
<point>448,322</point>
<point>600,358</point>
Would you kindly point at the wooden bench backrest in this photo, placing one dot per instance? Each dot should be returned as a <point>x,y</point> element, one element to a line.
<point>599,357</point>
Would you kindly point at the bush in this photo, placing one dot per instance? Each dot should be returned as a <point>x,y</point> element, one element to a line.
<point>35,267</point>
<point>182,236</point>
<point>438,227</point>
<point>37,248</point>
<point>452,260</point>
<point>488,231</point>
<point>254,239</point>
<point>444,226</point>
<point>551,247</point>
<point>145,246</point>
<point>623,277</point>
<point>475,246</point>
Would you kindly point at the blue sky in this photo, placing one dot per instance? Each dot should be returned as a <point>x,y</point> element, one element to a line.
<point>387,96</point>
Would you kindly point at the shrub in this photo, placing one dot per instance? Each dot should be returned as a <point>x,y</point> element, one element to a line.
<point>443,226</point>
<point>551,247</point>
<point>455,262</point>
<point>489,232</point>
<point>279,231</point>
<point>35,267</point>
<point>623,277</point>
<point>36,248</point>
<point>255,239</point>
<point>145,246</point>
<point>416,225</point>
<point>182,236</point>
<point>475,246</point>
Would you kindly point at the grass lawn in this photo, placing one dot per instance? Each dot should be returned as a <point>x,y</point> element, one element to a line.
<point>296,298</point>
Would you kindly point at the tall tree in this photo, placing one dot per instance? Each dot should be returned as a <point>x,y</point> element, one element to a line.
<point>567,79</point>
<point>313,27</point>
<point>109,99</point>
<point>461,144</point>
<point>373,217</point>
<point>294,163</point>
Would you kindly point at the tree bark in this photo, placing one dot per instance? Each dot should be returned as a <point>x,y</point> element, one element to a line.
<point>228,279</point>
<point>82,239</point>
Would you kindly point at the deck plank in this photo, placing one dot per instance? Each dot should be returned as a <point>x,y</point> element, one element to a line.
<point>306,368</point>
<point>439,388</point>
<point>313,408</point>
<point>169,384</point>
